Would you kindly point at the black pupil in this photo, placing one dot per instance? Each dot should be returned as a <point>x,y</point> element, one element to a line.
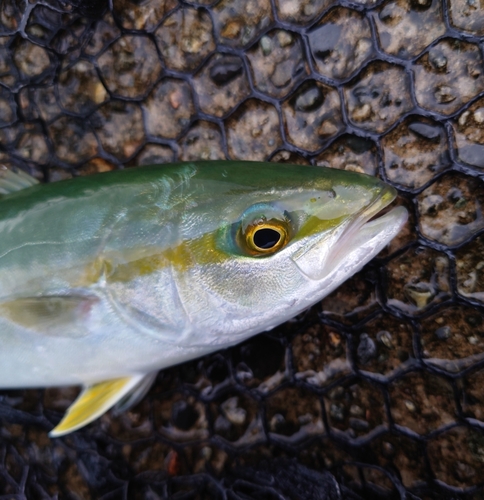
<point>266,238</point>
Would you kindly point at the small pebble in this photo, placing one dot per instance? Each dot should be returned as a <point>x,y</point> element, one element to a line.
<point>366,349</point>
<point>362,113</point>
<point>431,132</point>
<point>479,115</point>
<point>337,412</point>
<point>385,338</point>
<point>410,405</point>
<point>444,94</point>
<point>443,333</point>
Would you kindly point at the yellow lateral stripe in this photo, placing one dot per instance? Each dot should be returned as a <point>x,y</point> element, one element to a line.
<point>202,250</point>
<point>93,402</point>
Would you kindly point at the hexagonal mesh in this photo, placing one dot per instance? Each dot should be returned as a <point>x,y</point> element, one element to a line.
<point>382,383</point>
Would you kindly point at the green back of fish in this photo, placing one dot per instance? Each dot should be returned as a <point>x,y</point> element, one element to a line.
<point>51,235</point>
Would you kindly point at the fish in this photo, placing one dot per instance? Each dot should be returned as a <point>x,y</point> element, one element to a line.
<point>106,279</point>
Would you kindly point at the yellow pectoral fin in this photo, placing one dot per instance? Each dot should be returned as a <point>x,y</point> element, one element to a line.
<point>95,400</point>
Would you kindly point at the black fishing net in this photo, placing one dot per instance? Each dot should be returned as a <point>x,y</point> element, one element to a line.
<point>377,392</point>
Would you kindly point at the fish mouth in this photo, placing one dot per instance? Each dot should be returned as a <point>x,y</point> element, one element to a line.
<point>383,228</point>
<point>364,236</point>
<point>369,232</point>
<point>368,217</point>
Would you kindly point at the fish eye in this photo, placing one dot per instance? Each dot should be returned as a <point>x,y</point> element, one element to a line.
<point>263,229</point>
<point>266,238</point>
<point>261,236</point>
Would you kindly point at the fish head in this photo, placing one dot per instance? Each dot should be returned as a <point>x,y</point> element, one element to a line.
<point>259,243</point>
<point>287,236</point>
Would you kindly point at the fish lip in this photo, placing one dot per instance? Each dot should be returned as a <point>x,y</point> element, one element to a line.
<point>386,196</point>
<point>367,214</point>
<point>349,247</point>
<point>364,238</point>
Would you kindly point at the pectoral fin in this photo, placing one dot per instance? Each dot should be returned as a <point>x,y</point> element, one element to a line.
<point>95,400</point>
<point>54,315</point>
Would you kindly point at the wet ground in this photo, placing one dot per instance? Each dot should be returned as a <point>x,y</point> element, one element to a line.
<point>382,383</point>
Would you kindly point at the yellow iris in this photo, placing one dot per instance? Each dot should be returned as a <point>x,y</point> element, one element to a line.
<point>264,237</point>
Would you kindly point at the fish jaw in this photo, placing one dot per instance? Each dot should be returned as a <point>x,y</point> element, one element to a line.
<point>355,250</point>
<point>356,241</point>
<point>347,258</point>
